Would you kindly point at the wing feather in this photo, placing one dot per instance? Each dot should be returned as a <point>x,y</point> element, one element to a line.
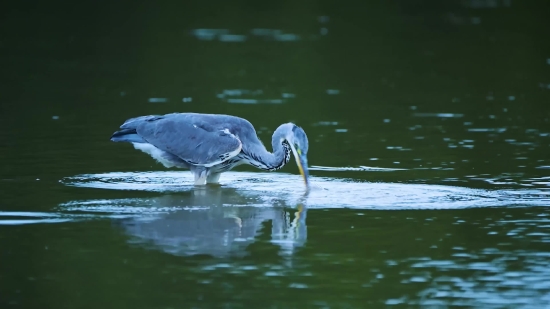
<point>194,141</point>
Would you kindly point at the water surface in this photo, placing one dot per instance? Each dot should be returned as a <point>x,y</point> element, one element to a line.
<point>429,139</point>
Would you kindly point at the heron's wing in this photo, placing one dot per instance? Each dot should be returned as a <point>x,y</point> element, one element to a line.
<point>194,141</point>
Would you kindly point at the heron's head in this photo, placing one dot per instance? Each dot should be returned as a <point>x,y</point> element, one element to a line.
<point>297,140</point>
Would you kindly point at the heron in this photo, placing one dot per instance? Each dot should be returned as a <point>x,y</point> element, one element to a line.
<point>210,144</point>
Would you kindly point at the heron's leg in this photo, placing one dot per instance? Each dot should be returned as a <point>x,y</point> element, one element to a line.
<point>213,178</point>
<point>200,176</point>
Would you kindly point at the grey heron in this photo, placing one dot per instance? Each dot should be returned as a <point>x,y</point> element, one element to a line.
<point>210,144</point>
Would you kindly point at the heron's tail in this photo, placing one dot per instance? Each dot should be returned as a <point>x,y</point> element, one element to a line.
<point>127,135</point>
<point>133,123</point>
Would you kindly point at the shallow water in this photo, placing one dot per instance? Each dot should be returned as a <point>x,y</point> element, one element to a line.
<point>429,140</point>
<point>442,245</point>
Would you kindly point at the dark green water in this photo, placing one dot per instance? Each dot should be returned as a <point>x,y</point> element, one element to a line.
<point>429,140</point>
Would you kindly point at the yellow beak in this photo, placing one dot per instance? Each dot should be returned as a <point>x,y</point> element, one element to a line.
<point>301,161</point>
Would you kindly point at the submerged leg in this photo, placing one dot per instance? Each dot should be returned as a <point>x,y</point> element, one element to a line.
<point>213,178</point>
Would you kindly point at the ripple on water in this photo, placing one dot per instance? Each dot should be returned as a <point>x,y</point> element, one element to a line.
<point>326,192</point>
<point>494,282</point>
<point>20,218</point>
<point>245,96</point>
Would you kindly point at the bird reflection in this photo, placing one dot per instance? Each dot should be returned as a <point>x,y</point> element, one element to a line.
<point>218,222</point>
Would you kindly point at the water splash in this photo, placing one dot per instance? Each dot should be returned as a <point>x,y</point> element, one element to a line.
<point>326,192</point>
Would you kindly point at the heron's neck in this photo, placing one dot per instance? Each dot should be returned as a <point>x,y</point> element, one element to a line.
<point>263,159</point>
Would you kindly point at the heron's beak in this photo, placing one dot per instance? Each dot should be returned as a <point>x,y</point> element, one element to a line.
<point>302,165</point>
<point>301,161</point>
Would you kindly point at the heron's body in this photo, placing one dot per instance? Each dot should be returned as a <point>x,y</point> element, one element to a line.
<point>210,144</point>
